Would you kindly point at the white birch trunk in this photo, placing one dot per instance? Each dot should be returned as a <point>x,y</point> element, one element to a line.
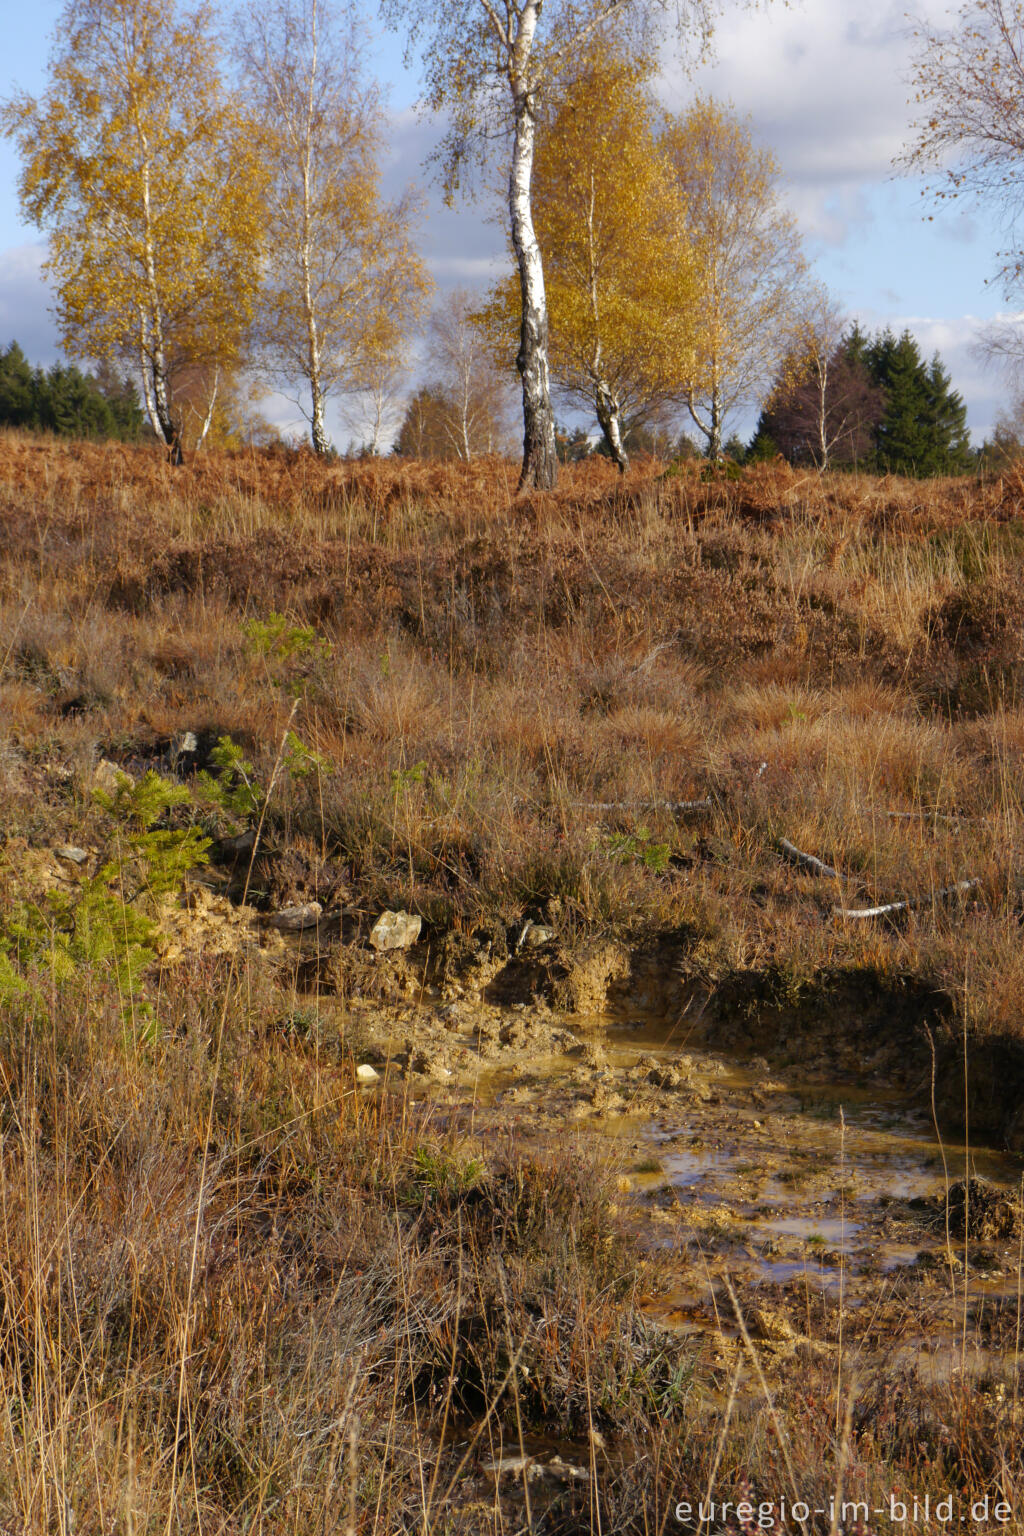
<point>152,329</point>
<point>712,427</point>
<point>611,427</point>
<point>540,462</point>
<point>147,377</point>
<point>318,426</point>
<point>156,353</point>
<point>823,443</point>
<point>606,404</point>
<point>715,432</point>
<point>465,409</point>
<point>377,426</point>
<point>208,419</point>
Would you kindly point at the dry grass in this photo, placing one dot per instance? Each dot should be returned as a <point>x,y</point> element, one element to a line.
<point>236,1297</point>
<point>658,639</point>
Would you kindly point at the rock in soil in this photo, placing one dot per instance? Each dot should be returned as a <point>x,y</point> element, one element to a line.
<point>535,935</point>
<point>395,930</point>
<point>297,919</point>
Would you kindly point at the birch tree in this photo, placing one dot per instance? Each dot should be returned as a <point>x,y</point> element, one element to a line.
<point>460,363</point>
<point>376,411</point>
<point>751,269</point>
<point>621,279</point>
<point>488,64</point>
<point>969,137</point>
<point>343,279</point>
<point>815,366</point>
<point>824,409</point>
<point>138,165</point>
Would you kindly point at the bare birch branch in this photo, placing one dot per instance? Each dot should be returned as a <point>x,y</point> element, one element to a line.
<point>906,906</point>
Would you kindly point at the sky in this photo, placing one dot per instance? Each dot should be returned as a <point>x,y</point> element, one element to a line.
<point>825,89</point>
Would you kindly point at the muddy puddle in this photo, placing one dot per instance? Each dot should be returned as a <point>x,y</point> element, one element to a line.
<point>820,1206</point>
<point>809,1211</point>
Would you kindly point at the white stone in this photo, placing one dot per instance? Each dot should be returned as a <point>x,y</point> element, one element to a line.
<point>71,854</point>
<point>395,930</point>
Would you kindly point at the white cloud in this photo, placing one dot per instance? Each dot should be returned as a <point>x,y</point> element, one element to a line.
<point>827,92</point>
<point>829,95</point>
<point>461,245</point>
<point>24,303</point>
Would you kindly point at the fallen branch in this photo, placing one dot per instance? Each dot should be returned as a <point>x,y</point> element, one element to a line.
<point>674,807</point>
<point>818,867</point>
<point>906,906</point>
<point>808,861</point>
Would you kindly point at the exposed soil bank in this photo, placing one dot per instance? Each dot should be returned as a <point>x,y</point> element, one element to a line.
<point>846,1024</point>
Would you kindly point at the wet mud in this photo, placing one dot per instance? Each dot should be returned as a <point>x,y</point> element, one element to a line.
<point>782,1217</point>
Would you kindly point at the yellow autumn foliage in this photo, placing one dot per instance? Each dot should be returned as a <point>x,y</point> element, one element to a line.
<point>751,268</point>
<point>141,170</point>
<point>619,272</point>
<point>343,281</point>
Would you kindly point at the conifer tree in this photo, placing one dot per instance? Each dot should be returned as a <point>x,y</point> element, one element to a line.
<point>65,401</point>
<point>16,394</point>
<point>923,431</point>
<point>425,432</point>
<point>883,407</point>
<point>948,417</point>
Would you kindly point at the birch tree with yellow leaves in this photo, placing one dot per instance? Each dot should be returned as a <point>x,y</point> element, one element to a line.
<point>139,166</point>
<point>488,65</point>
<point>621,278</point>
<point>343,282</point>
<point>751,267</point>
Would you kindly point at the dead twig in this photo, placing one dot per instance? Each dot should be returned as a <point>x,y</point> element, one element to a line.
<point>906,906</point>
<point>808,861</point>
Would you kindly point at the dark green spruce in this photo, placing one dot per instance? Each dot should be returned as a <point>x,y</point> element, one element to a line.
<point>67,402</point>
<point>887,411</point>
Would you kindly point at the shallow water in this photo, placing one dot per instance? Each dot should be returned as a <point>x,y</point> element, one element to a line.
<point>815,1199</point>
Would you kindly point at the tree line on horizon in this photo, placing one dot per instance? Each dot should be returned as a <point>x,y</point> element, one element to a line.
<point>217,227</point>
<point>885,411</point>
<point>67,402</point>
<point>874,404</point>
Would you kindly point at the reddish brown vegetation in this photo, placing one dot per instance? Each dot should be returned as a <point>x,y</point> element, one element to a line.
<point>810,655</point>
